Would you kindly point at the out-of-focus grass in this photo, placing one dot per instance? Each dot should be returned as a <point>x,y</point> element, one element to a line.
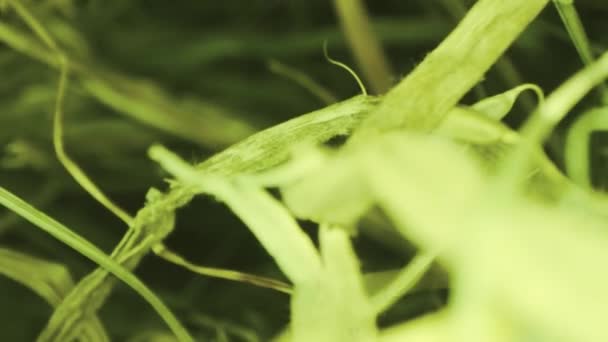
<point>195,76</point>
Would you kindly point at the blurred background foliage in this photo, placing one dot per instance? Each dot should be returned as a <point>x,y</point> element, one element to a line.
<point>197,76</point>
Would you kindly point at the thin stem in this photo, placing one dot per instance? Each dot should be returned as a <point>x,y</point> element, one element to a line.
<point>73,169</point>
<point>221,273</point>
<point>68,163</point>
<point>46,195</point>
<point>303,80</point>
<point>569,15</point>
<point>550,113</point>
<point>366,48</point>
<point>345,67</point>
<point>403,282</point>
<point>575,28</point>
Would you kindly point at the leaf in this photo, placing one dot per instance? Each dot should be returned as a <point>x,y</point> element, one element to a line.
<point>65,235</point>
<point>498,106</point>
<point>51,281</point>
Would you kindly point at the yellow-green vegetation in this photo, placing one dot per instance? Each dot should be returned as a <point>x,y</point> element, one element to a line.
<point>157,185</point>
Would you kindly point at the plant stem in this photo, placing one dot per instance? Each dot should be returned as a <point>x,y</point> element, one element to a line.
<point>504,66</point>
<point>424,97</point>
<point>536,129</point>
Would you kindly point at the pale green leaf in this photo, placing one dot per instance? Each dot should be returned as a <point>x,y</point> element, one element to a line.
<point>336,306</point>
<point>498,106</point>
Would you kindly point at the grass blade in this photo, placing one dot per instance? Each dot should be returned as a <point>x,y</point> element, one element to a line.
<point>65,235</point>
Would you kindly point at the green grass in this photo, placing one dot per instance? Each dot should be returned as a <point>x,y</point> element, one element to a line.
<point>456,201</point>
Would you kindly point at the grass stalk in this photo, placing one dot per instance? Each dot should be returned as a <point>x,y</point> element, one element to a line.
<point>421,100</point>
